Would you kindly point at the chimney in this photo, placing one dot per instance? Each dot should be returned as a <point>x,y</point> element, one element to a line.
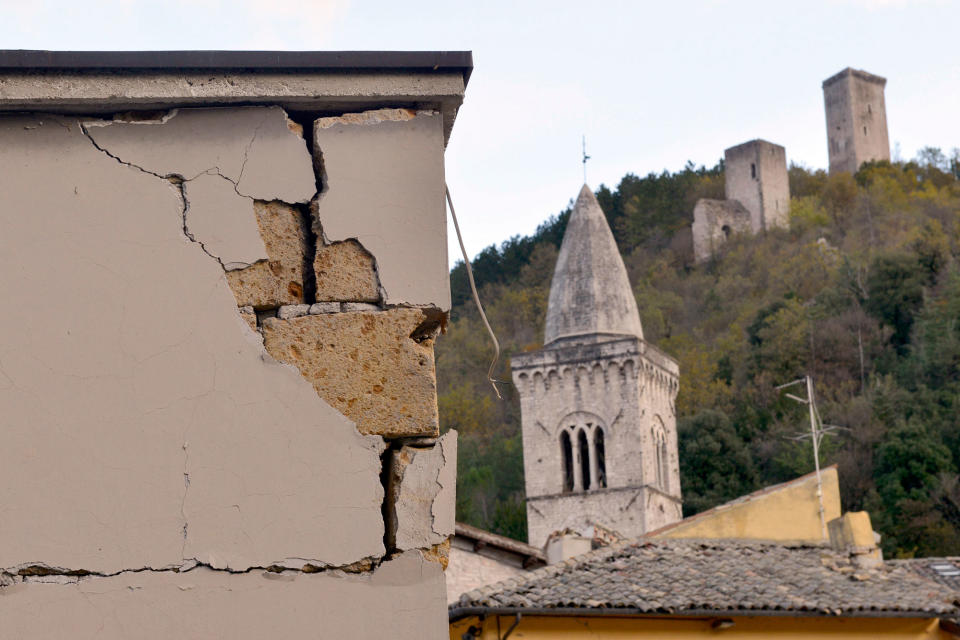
<point>852,532</point>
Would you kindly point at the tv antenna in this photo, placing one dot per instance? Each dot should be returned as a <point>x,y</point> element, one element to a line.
<point>817,431</point>
<point>585,158</point>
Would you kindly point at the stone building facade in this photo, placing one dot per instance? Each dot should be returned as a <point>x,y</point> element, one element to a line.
<point>220,419</point>
<point>856,119</point>
<point>597,401</point>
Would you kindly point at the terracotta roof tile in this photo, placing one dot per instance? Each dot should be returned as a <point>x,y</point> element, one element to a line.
<point>673,576</point>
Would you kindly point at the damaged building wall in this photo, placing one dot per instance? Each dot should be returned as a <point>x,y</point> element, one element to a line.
<point>190,425</point>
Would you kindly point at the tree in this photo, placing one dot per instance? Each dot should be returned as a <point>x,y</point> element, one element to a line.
<point>715,464</point>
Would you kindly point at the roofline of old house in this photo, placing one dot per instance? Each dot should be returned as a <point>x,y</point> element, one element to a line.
<point>459,613</point>
<point>735,502</point>
<point>530,554</point>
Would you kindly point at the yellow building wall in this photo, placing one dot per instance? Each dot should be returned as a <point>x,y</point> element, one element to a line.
<point>753,628</point>
<point>789,511</point>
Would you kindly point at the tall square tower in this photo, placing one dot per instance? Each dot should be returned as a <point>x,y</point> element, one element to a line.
<point>756,176</point>
<point>856,119</point>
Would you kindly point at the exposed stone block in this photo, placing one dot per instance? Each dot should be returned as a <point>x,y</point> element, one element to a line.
<point>388,161</point>
<point>345,271</point>
<point>366,365</point>
<point>439,553</point>
<point>250,316</point>
<point>422,494</point>
<point>358,306</point>
<point>278,280</point>
<point>324,307</point>
<point>293,311</point>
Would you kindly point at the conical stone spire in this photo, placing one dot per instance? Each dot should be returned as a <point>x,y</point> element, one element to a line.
<point>590,293</point>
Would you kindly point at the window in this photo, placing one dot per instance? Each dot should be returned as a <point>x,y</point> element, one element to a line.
<point>753,170</point>
<point>600,455</point>
<point>662,459</point>
<point>584,450</point>
<point>566,451</point>
<point>726,230</point>
<point>583,463</point>
<point>869,109</point>
<point>864,131</point>
<point>659,441</point>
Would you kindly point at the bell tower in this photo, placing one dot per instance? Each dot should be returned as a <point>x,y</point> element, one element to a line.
<point>597,401</point>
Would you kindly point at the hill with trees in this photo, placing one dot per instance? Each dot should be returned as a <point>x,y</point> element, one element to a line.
<point>862,292</point>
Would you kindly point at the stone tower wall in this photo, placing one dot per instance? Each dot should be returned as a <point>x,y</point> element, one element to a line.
<point>856,117</point>
<point>756,176</point>
<point>713,222</point>
<point>628,388</point>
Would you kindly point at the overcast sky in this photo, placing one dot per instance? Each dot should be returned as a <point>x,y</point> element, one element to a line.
<point>651,84</point>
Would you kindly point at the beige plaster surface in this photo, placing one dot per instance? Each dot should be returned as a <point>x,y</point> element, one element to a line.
<point>383,185</point>
<point>253,147</point>
<point>143,422</point>
<point>223,221</point>
<point>404,599</point>
<point>424,492</point>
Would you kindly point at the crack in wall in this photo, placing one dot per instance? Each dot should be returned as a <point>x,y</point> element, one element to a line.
<point>178,181</point>
<point>320,170</point>
<point>39,572</point>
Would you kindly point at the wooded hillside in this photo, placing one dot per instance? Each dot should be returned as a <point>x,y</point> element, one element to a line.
<point>862,292</point>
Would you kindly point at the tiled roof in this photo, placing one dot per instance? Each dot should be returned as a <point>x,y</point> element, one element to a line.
<point>531,555</point>
<point>698,576</point>
<point>946,571</point>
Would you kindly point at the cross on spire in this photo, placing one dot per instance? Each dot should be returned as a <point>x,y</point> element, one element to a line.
<point>585,158</point>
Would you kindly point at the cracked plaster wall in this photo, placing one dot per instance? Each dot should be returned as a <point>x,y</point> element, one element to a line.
<point>423,489</point>
<point>367,160</point>
<point>167,435</point>
<point>399,600</point>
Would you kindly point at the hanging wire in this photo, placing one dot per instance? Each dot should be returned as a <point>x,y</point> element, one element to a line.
<point>476,297</point>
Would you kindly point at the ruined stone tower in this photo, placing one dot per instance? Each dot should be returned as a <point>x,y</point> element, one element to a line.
<point>755,173</point>
<point>757,193</point>
<point>856,119</point>
<point>597,401</point>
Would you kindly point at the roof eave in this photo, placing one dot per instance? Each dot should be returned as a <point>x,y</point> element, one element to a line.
<point>459,613</point>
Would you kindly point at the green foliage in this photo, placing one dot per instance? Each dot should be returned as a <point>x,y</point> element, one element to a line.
<point>862,292</point>
<point>715,462</point>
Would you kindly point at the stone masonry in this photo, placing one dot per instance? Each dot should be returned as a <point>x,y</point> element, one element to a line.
<point>856,115</point>
<point>757,190</point>
<point>714,221</point>
<point>225,406</point>
<point>597,401</point>
<point>755,174</point>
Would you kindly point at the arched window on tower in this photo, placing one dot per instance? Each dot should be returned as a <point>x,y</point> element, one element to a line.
<point>584,450</point>
<point>566,452</point>
<point>659,442</point>
<point>664,476</point>
<point>599,453</point>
